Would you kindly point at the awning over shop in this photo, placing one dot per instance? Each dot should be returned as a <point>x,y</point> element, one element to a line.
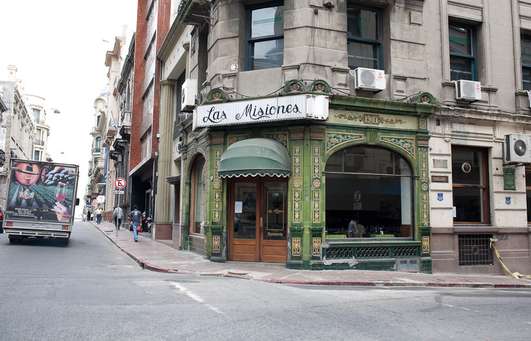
<point>255,157</point>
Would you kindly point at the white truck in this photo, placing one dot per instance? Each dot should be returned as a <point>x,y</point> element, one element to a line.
<point>41,200</point>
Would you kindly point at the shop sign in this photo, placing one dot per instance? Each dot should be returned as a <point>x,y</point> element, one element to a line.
<point>313,107</point>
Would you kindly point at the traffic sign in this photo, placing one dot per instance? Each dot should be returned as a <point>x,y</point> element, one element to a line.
<point>120,183</point>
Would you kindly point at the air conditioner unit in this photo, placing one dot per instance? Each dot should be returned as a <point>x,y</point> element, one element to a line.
<point>517,148</point>
<point>368,79</point>
<point>188,95</point>
<point>469,91</point>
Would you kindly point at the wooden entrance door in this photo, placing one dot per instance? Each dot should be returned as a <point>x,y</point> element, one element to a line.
<point>258,220</point>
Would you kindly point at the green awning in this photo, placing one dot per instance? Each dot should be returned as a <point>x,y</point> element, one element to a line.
<point>255,157</point>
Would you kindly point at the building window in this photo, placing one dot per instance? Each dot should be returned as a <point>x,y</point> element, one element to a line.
<point>470,185</point>
<point>97,144</point>
<point>266,36</point>
<point>462,52</point>
<point>36,115</point>
<point>145,146</point>
<point>369,194</point>
<point>198,195</point>
<point>528,192</point>
<point>526,61</point>
<point>37,155</point>
<point>364,37</point>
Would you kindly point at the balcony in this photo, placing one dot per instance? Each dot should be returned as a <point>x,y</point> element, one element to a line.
<point>193,12</point>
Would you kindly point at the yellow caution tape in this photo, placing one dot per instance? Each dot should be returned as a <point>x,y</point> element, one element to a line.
<point>516,275</point>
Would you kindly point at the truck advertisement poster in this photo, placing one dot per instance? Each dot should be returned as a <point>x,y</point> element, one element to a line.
<point>41,192</point>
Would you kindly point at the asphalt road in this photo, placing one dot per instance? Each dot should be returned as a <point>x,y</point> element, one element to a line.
<point>91,291</point>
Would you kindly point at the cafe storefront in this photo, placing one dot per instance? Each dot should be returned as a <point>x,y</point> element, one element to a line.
<point>312,181</point>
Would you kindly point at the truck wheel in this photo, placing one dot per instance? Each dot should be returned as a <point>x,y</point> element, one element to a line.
<point>14,239</point>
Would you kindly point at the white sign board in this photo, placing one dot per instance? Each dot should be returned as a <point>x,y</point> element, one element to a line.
<point>100,199</point>
<point>272,109</point>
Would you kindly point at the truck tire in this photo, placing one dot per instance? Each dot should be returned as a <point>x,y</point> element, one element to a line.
<point>14,239</point>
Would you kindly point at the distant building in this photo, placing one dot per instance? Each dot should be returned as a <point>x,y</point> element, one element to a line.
<point>38,110</point>
<point>96,173</point>
<point>16,127</point>
<point>123,93</point>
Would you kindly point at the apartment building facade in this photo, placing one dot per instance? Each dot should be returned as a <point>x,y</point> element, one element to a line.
<point>152,25</point>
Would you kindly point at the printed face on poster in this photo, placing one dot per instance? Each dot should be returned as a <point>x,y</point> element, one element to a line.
<point>41,192</point>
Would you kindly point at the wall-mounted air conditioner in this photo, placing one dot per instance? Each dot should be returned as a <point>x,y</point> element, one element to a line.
<point>188,95</point>
<point>469,91</point>
<point>368,79</point>
<point>517,148</point>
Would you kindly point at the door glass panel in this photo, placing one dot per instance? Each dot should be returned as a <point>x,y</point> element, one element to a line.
<point>275,211</point>
<point>245,211</point>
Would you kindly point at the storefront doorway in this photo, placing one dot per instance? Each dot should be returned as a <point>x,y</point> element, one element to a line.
<point>258,220</point>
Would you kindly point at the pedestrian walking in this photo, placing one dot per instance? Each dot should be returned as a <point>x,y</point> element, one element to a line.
<point>136,220</point>
<point>117,216</point>
<point>89,215</point>
<point>98,212</point>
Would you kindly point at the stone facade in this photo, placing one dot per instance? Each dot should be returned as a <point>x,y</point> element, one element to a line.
<point>415,55</point>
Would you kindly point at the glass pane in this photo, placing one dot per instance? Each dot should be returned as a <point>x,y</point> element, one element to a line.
<point>363,159</point>
<point>267,54</point>
<point>368,206</point>
<point>526,50</point>
<point>526,78</point>
<point>267,22</point>
<point>275,211</point>
<point>199,202</point>
<point>466,166</point>
<point>461,68</point>
<point>460,40</point>
<point>245,211</point>
<point>362,55</point>
<point>467,202</point>
<point>528,205</point>
<point>362,23</point>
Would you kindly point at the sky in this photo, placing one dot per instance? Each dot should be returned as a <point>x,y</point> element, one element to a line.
<point>59,49</point>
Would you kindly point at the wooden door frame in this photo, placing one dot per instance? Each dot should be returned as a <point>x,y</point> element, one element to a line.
<point>260,199</point>
<point>230,215</point>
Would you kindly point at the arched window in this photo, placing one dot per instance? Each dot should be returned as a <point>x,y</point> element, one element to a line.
<point>198,195</point>
<point>369,194</point>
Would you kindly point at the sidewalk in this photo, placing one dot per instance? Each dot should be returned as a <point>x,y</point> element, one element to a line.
<point>158,256</point>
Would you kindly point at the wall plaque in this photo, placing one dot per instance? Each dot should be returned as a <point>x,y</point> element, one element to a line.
<point>439,178</point>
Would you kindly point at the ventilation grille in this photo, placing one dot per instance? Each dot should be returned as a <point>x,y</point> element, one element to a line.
<point>474,249</point>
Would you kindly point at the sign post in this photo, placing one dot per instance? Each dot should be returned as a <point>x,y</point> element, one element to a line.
<point>119,187</point>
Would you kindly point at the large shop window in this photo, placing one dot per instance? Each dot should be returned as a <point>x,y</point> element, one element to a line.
<point>364,37</point>
<point>198,195</point>
<point>470,184</point>
<point>462,52</point>
<point>369,194</point>
<point>266,36</point>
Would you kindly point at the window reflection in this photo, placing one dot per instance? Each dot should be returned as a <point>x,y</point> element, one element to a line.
<point>369,194</point>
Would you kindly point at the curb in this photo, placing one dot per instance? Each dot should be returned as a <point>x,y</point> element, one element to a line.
<point>400,284</point>
<point>140,262</point>
<point>148,266</point>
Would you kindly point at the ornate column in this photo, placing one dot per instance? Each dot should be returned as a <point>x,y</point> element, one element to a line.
<point>162,219</point>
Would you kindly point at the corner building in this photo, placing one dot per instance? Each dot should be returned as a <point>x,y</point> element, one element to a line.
<point>285,159</point>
